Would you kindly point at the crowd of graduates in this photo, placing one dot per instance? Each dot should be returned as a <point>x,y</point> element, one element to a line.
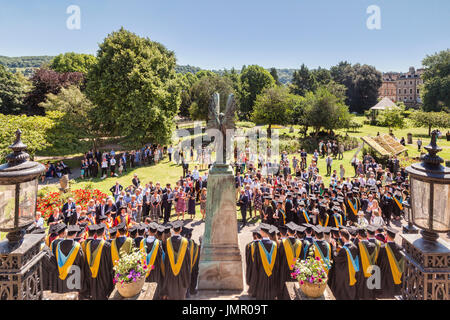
<point>346,225</point>
<point>171,256</point>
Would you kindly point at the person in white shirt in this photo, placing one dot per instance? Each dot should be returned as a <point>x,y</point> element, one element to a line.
<point>195,174</point>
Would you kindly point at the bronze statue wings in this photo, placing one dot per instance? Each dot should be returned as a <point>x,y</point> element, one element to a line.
<point>218,120</point>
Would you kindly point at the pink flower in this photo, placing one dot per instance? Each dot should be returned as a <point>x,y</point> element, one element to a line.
<point>301,282</point>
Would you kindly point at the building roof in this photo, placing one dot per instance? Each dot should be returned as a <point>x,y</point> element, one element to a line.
<point>384,145</point>
<point>384,104</point>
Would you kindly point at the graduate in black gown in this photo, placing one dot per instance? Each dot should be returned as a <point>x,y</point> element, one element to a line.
<point>391,263</point>
<point>289,251</point>
<point>154,256</point>
<point>177,265</point>
<point>100,267</point>
<point>71,265</point>
<point>367,252</point>
<point>49,269</point>
<point>343,273</point>
<point>352,205</point>
<point>322,249</point>
<point>194,251</point>
<point>250,277</point>
<point>121,244</point>
<point>266,266</point>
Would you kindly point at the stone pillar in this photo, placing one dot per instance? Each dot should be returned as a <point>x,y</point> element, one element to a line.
<point>220,266</point>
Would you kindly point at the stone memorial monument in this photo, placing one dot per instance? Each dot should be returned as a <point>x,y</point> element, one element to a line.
<point>220,266</point>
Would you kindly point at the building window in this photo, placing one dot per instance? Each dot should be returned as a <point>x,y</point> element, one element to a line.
<point>410,90</point>
<point>418,91</point>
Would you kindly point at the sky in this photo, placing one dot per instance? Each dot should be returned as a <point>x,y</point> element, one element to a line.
<point>214,34</point>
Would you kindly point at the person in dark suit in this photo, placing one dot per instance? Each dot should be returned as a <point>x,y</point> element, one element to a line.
<point>68,210</point>
<point>167,200</point>
<point>243,204</point>
<point>136,182</point>
<point>116,189</point>
<point>199,185</point>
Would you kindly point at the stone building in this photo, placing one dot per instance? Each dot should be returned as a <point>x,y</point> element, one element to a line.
<point>388,87</point>
<point>409,86</point>
<point>403,87</point>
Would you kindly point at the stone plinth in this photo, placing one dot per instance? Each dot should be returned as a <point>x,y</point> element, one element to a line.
<point>220,266</point>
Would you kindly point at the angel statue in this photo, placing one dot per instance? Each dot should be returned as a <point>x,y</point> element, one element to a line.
<point>221,122</point>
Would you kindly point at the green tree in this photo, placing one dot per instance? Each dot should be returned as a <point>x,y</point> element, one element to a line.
<point>71,111</point>
<point>186,81</point>
<point>254,79</point>
<point>272,106</point>
<point>34,133</point>
<point>302,81</point>
<point>324,110</point>
<point>436,88</point>
<point>430,120</point>
<point>202,91</point>
<point>392,118</point>
<point>13,88</point>
<point>321,76</point>
<point>274,74</point>
<point>362,83</point>
<point>73,62</point>
<point>134,87</point>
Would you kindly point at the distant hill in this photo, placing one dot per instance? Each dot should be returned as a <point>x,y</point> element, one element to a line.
<point>28,64</point>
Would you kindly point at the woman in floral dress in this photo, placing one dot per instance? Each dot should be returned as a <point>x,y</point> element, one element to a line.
<point>181,203</point>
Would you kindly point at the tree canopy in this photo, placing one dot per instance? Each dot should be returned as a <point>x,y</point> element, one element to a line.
<point>436,90</point>
<point>73,62</point>
<point>202,91</point>
<point>254,79</point>
<point>13,88</point>
<point>135,89</point>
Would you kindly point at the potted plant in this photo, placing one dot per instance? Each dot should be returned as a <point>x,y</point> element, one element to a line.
<point>311,275</point>
<point>130,273</point>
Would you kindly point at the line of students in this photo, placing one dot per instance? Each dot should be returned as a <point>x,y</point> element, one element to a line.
<point>76,261</point>
<point>362,263</point>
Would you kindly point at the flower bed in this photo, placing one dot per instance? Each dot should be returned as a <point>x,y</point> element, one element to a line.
<point>52,200</point>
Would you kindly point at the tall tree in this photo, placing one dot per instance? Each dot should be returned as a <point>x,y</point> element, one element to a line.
<point>273,106</point>
<point>134,87</point>
<point>321,76</point>
<point>324,110</point>
<point>302,81</point>
<point>362,83</point>
<point>202,91</point>
<point>436,89</point>
<point>73,62</point>
<point>254,79</point>
<point>274,74</point>
<point>13,89</point>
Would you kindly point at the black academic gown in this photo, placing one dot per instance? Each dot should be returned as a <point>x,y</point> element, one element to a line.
<point>267,286</point>
<point>101,286</point>
<point>350,214</point>
<point>195,253</point>
<point>388,288</point>
<point>70,283</point>
<point>364,293</point>
<point>175,286</point>
<point>285,269</point>
<point>339,278</point>
<point>250,276</point>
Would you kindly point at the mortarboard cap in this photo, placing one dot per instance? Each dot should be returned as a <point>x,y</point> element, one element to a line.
<point>71,229</point>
